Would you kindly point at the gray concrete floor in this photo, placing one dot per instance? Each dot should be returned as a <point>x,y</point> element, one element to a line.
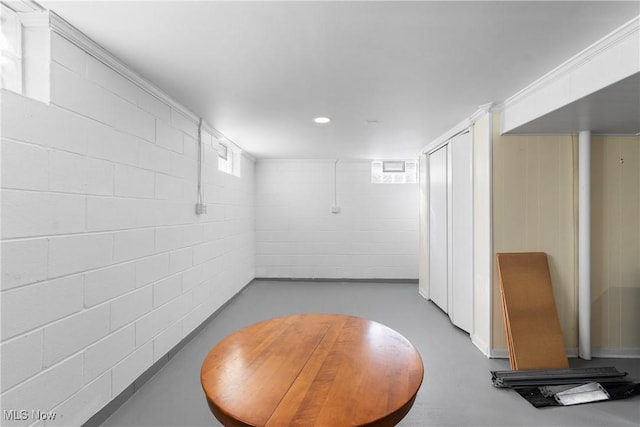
<point>456,390</point>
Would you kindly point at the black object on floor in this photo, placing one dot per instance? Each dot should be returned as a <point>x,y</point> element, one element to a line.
<point>543,377</point>
<point>616,390</point>
<point>544,387</point>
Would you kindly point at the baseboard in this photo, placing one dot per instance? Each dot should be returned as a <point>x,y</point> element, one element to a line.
<point>481,345</point>
<point>323,279</point>
<point>617,352</point>
<point>110,408</point>
<point>572,353</point>
<point>499,353</point>
<point>604,352</point>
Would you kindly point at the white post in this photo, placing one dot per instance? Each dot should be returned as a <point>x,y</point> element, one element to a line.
<point>584,245</point>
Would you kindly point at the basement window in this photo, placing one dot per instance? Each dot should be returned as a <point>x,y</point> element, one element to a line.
<point>25,49</point>
<point>11,48</point>
<point>394,172</point>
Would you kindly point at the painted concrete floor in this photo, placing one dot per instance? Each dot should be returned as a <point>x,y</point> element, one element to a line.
<point>456,390</point>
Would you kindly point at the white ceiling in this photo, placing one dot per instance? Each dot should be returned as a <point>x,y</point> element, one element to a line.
<point>259,72</point>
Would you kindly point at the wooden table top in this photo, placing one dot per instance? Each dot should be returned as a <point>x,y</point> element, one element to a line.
<point>312,370</point>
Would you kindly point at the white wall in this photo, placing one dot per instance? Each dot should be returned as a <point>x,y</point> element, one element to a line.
<point>105,266</point>
<point>482,233</point>
<point>374,236</point>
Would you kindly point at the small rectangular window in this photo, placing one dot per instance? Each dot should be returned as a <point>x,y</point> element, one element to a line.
<point>11,50</point>
<point>25,49</point>
<point>394,171</point>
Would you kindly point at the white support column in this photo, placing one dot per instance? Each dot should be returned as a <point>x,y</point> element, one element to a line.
<point>584,245</point>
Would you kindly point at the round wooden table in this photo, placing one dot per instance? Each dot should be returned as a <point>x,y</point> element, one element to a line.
<point>324,370</point>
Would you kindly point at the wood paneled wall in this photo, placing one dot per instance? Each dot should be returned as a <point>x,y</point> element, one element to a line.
<point>615,248</point>
<point>534,210</point>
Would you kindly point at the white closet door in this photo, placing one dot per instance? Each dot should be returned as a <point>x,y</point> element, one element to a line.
<point>461,238</point>
<point>438,288</point>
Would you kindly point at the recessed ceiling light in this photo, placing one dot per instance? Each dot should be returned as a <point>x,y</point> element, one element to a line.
<point>322,120</point>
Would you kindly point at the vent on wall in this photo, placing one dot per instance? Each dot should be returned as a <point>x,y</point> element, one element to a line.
<point>228,157</point>
<point>223,151</point>
<point>393,166</point>
<point>394,172</point>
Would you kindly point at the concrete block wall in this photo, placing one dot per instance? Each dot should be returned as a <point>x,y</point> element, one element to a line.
<point>297,236</point>
<point>105,265</point>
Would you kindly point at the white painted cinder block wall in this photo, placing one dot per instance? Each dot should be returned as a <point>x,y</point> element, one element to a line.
<point>105,266</point>
<point>297,236</point>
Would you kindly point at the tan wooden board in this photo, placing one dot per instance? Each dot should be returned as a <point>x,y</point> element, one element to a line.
<point>534,336</point>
